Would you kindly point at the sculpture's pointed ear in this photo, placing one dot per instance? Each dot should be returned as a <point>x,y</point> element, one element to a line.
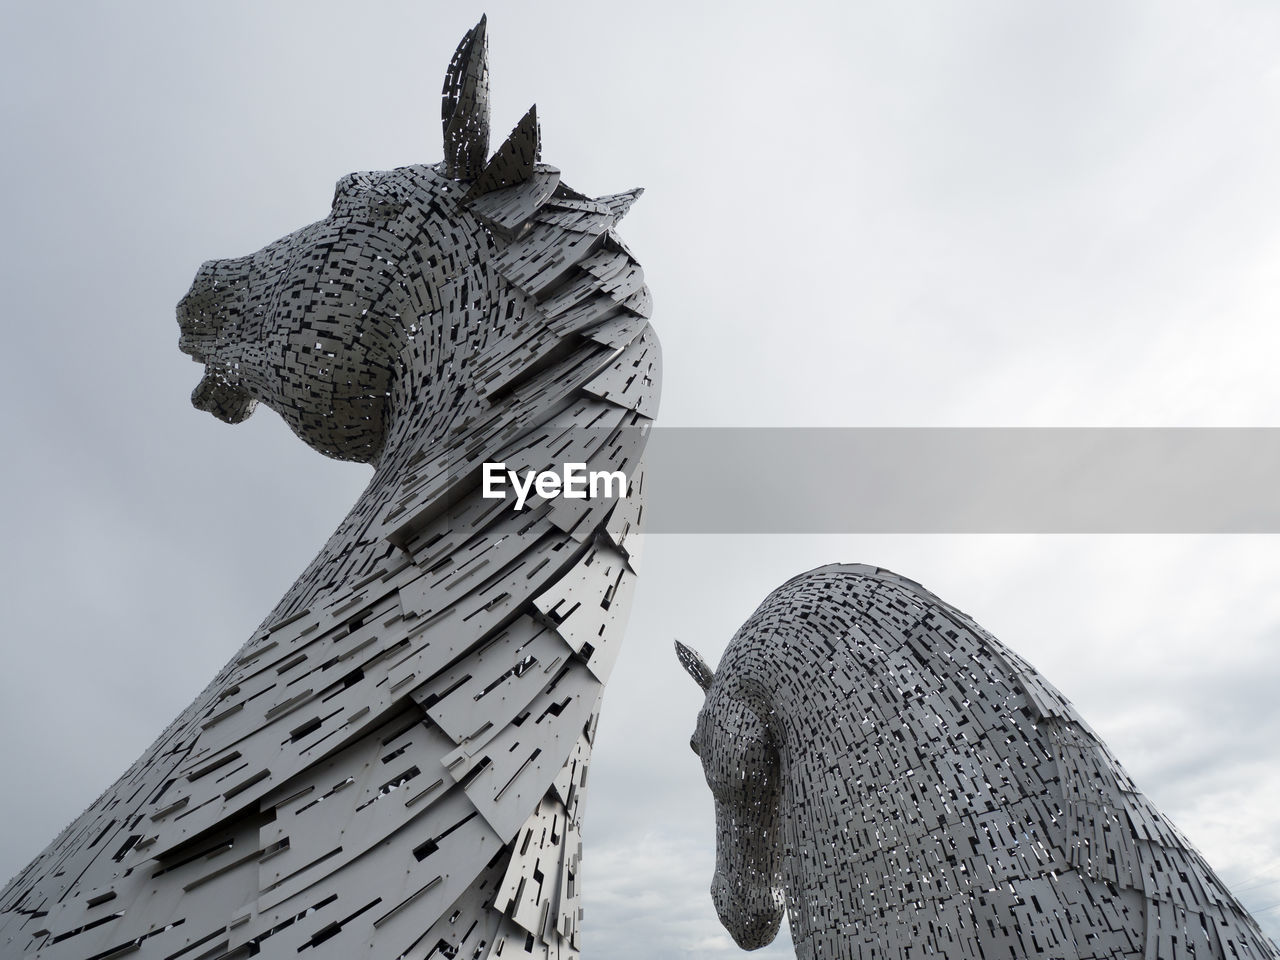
<point>515,160</point>
<point>464,106</point>
<point>697,667</point>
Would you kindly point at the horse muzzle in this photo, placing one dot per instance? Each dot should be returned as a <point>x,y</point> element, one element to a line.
<point>209,315</point>
<point>209,321</point>
<point>752,916</point>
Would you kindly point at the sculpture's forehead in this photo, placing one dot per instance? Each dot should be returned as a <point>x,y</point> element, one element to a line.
<point>418,181</point>
<point>418,173</point>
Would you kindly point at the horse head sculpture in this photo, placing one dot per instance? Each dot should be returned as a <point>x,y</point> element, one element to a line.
<point>908,786</point>
<point>394,764</point>
<point>740,761</point>
<point>366,326</point>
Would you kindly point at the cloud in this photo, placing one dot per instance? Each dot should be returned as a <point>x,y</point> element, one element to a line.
<point>650,900</point>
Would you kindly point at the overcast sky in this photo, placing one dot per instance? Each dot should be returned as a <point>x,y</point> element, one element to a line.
<point>932,214</point>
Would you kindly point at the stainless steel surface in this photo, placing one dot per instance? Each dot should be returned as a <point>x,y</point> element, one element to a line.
<point>393,764</point>
<point>904,785</point>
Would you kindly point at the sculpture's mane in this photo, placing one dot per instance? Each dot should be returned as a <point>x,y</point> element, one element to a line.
<point>558,247</point>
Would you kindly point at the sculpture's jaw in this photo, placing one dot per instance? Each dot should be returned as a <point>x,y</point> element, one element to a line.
<point>216,394</point>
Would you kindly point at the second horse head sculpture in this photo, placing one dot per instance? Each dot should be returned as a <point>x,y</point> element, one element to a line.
<point>902,784</point>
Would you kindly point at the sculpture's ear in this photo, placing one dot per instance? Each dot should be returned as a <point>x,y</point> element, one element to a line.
<point>515,160</point>
<point>464,106</point>
<point>697,667</point>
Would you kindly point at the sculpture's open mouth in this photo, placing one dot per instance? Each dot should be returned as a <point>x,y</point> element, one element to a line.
<point>192,339</point>
<point>208,315</point>
<point>215,394</point>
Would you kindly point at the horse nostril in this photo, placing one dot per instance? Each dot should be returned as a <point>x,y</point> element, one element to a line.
<point>215,298</point>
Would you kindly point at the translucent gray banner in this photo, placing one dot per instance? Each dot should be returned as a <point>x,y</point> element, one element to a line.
<point>962,480</point>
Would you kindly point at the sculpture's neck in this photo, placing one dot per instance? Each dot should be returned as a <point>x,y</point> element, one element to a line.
<point>438,424</point>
